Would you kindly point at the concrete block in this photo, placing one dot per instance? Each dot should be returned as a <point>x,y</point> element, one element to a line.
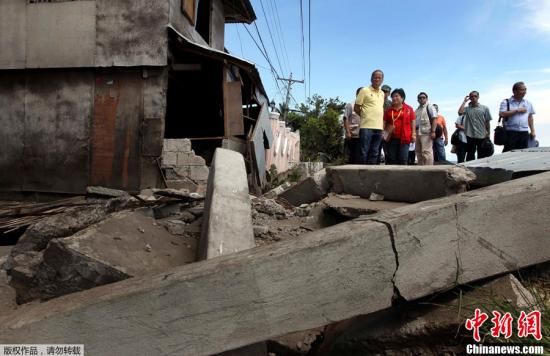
<point>409,184</point>
<point>463,238</point>
<point>227,225</point>
<point>177,145</point>
<point>182,183</point>
<point>307,191</point>
<point>169,158</point>
<point>190,159</point>
<point>125,244</point>
<point>198,173</point>
<point>176,173</point>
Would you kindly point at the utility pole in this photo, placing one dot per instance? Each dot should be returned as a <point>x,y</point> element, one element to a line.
<point>290,81</point>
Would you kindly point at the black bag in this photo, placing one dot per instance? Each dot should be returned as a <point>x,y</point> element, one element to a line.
<point>455,138</point>
<point>487,149</point>
<point>500,132</point>
<point>500,135</point>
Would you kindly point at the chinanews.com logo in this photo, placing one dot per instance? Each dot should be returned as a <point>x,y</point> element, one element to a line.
<point>528,326</point>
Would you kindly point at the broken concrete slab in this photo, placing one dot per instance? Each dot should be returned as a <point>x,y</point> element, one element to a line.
<point>410,184</point>
<point>230,301</point>
<point>269,207</point>
<point>466,237</point>
<point>352,206</point>
<point>429,327</point>
<point>273,193</point>
<point>123,245</point>
<point>509,165</point>
<point>307,191</point>
<point>227,224</point>
<point>106,192</point>
<point>74,219</point>
<point>325,276</point>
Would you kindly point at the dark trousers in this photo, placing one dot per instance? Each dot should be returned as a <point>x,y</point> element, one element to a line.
<point>353,150</point>
<point>396,152</point>
<point>473,145</point>
<point>370,145</point>
<point>412,158</point>
<point>516,140</point>
<point>461,152</point>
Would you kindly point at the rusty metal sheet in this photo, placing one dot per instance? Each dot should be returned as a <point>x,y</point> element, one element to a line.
<point>115,158</point>
<point>12,123</point>
<point>153,137</point>
<point>61,34</point>
<point>155,87</point>
<point>13,26</point>
<point>232,108</point>
<point>131,33</point>
<point>58,110</point>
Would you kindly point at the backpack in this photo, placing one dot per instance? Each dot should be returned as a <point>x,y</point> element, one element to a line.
<point>438,128</point>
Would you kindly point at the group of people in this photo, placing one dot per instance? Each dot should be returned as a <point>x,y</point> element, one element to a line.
<point>374,122</point>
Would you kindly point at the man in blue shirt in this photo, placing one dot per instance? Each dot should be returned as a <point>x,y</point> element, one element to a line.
<point>518,119</point>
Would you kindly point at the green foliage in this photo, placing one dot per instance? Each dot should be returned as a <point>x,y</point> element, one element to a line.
<point>321,131</point>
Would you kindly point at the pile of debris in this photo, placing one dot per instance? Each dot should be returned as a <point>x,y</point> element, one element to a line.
<point>79,243</point>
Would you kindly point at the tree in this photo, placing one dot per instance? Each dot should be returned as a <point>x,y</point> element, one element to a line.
<point>321,131</point>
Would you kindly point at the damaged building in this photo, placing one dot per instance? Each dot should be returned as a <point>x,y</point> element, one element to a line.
<point>90,90</point>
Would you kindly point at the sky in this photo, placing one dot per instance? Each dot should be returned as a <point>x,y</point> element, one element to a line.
<point>445,48</point>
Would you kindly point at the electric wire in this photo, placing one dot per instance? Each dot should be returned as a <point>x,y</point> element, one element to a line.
<point>303,45</point>
<point>271,36</point>
<point>264,53</point>
<point>279,31</point>
<point>309,44</point>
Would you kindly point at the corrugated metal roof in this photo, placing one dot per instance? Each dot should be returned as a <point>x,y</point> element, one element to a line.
<point>530,159</point>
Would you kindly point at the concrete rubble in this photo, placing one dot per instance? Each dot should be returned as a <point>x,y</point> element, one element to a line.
<point>183,169</point>
<point>7,293</point>
<point>443,240</point>
<point>102,242</point>
<point>309,190</point>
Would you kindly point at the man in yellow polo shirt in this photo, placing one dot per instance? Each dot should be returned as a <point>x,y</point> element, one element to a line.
<point>369,104</point>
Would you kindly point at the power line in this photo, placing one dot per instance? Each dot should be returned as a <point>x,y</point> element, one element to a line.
<point>303,45</point>
<point>271,36</point>
<point>309,56</point>
<point>240,42</point>
<point>279,29</point>
<point>264,54</point>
